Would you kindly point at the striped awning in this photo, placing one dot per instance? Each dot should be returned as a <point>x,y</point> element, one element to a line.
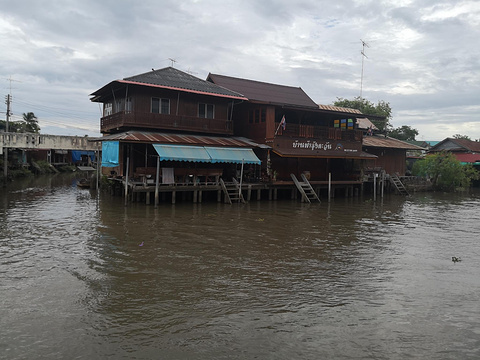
<point>232,155</point>
<point>206,154</point>
<point>182,153</point>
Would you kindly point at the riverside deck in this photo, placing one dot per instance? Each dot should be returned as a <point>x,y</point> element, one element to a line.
<point>137,191</point>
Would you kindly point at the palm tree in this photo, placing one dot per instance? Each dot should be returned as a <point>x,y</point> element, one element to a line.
<point>31,123</point>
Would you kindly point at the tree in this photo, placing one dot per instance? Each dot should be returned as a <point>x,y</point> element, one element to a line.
<point>13,126</point>
<point>459,136</point>
<point>404,132</point>
<point>368,108</point>
<point>445,171</point>
<point>31,123</point>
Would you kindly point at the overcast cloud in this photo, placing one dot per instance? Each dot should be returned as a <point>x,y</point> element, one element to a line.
<point>423,55</point>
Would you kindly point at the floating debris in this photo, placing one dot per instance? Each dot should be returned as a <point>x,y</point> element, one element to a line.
<point>456,259</point>
<point>141,244</point>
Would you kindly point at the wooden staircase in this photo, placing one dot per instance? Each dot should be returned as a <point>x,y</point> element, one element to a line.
<point>308,194</point>
<point>232,192</point>
<point>397,183</point>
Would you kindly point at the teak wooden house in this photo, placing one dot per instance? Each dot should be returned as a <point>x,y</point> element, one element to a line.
<point>170,114</point>
<point>304,137</point>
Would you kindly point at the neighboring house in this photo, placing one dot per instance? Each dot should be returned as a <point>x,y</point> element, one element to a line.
<point>391,153</point>
<point>168,114</point>
<point>465,151</point>
<point>304,137</point>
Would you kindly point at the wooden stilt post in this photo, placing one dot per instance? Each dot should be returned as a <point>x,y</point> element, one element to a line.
<point>375,186</point>
<point>157,181</point>
<point>173,196</point>
<point>126,181</point>
<point>329,186</point>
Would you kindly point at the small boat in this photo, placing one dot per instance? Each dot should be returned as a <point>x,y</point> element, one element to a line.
<point>83,183</point>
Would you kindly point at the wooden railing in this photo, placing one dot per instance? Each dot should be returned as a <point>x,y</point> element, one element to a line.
<point>319,132</point>
<point>162,121</point>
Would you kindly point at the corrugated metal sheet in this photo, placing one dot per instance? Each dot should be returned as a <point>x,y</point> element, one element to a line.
<point>467,158</point>
<point>178,139</point>
<point>380,141</point>
<point>339,109</point>
<point>451,144</point>
<point>365,124</point>
<point>258,91</point>
<point>173,79</point>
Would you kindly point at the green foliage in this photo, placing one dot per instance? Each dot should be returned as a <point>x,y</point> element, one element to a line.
<point>459,136</point>
<point>445,171</point>
<point>382,108</point>
<point>29,124</point>
<point>404,132</point>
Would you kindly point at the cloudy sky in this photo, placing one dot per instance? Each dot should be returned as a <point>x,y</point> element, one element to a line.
<point>423,55</point>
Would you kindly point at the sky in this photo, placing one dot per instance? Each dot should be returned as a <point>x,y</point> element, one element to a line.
<point>422,56</point>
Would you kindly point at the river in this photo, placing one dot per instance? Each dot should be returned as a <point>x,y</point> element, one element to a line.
<point>84,277</point>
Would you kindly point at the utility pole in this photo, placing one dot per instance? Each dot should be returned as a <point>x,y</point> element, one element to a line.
<point>8,99</point>
<point>363,58</point>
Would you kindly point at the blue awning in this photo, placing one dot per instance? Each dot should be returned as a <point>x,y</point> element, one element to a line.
<point>232,155</point>
<point>206,154</point>
<point>182,153</point>
<point>110,153</point>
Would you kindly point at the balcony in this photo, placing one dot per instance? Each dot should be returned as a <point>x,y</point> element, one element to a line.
<point>126,119</point>
<point>318,132</point>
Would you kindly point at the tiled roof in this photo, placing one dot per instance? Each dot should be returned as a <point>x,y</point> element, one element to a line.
<point>381,141</point>
<point>174,79</point>
<point>179,139</point>
<point>258,91</point>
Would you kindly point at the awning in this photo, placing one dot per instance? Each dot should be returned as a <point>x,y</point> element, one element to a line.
<point>206,154</point>
<point>232,155</point>
<point>182,153</point>
<point>110,153</point>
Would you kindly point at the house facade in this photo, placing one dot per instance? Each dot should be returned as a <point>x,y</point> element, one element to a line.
<point>304,137</point>
<point>173,116</point>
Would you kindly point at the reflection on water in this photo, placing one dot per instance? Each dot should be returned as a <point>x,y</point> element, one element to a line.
<point>280,280</point>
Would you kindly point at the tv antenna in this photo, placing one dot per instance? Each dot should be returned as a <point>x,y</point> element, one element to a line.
<point>10,79</point>
<point>173,61</point>
<point>363,58</point>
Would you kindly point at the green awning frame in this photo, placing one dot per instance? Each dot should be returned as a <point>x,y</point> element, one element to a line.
<point>206,154</point>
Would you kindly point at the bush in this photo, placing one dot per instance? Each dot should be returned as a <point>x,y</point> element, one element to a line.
<point>445,171</point>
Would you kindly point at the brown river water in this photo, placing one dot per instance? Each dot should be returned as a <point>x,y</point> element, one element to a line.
<point>84,277</point>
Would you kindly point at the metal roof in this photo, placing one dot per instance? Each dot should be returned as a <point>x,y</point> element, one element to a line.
<point>451,144</point>
<point>173,79</point>
<point>339,109</point>
<point>381,141</point>
<point>365,124</point>
<point>263,92</point>
<point>468,158</point>
<point>179,139</point>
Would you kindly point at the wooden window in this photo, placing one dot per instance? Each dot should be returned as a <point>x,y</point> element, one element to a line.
<point>160,106</point>
<point>250,116</point>
<point>206,111</point>
<point>128,104</point>
<point>107,109</point>
<point>263,115</point>
<point>257,116</point>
